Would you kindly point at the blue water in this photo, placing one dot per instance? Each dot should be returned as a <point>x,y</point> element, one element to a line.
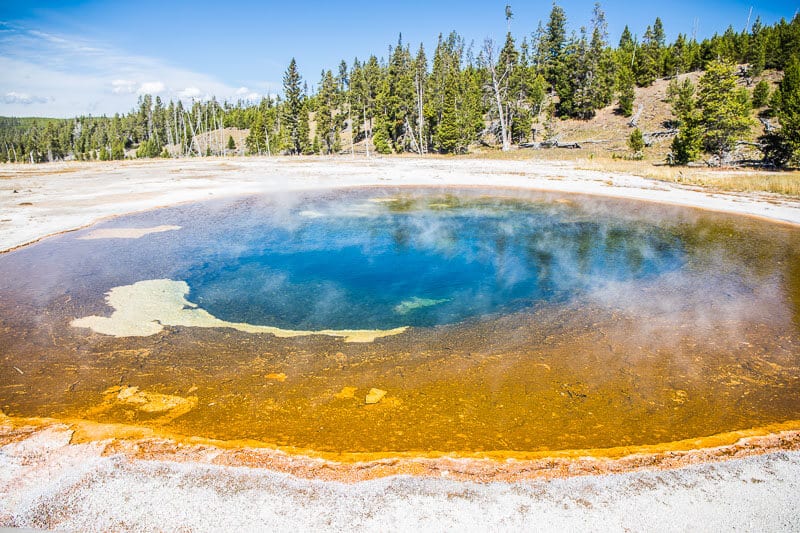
<point>422,261</point>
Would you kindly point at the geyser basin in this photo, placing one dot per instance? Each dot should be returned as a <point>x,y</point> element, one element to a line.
<point>418,321</point>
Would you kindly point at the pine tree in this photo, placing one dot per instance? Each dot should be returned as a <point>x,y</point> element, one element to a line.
<point>327,117</point>
<point>601,63</point>
<point>555,39</point>
<point>573,87</point>
<point>636,141</point>
<point>420,81</point>
<point>626,45</point>
<point>788,112</point>
<point>443,86</point>
<point>231,143</point>
<point>687,144</point>
<point>117,150</point>
<point>357,100</point>
<point>398,97</point>
<point>724,108</point>
<point>646,65</point>
<point>625,89</point>
<point>380,138</point>
<point>522,105</point>
<point>293,110</point>
<point>682,98</point>
<point>304,146</point>
<point>447,132</point>
<point>757,50</point>
<point>256,141</point>
<point>659,40</point>
<point>588,80</point>
<point>761,94</point>
<point>539,49</point>
<point>649,59</point>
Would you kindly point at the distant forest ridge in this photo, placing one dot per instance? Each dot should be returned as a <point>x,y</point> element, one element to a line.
<point>503,94</point>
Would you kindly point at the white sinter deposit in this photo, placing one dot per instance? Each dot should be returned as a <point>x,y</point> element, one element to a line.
<point>145,307</point>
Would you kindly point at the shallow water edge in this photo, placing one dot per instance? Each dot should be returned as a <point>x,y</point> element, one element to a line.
<point>148,444</point>
<point>572,391</point>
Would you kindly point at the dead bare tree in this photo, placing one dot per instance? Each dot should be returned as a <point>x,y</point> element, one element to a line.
<point>488,60</point>
<point>421,119</point>
<point>634,121</point>
<point>367,131</point>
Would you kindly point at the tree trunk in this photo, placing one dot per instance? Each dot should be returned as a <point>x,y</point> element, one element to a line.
<point>499,103</point>
<point>352,130</point>
<point>421,119</point>
<point>488,49</point>
<point>366,131</point>
<point>413,138</point>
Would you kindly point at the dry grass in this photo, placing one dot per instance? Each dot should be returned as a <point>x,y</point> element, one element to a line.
<point>785,183</point>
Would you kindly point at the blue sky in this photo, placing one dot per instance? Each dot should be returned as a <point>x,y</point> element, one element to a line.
<point>63,58</point>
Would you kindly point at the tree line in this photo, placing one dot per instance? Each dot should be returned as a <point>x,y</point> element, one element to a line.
<point>498,93</point>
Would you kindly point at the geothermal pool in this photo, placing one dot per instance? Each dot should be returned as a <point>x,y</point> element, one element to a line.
<point>409,320</point>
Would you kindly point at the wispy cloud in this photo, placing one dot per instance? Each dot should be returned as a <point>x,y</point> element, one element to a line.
<point>123,86</point>
<point>14,97</point>
<point>151,87</point>
<point>188,93</point>
<point>246,94</point>
<point>46,74</point>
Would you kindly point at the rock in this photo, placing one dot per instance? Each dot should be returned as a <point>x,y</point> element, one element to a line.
<point>679,396</point>
<point>166,405</point>
<point>374,396</point>
<point>346,393</point>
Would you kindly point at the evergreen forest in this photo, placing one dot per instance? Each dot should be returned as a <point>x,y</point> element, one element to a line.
<point>464,95</point>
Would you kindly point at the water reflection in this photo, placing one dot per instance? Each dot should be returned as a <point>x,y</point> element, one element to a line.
<point>353,264</point>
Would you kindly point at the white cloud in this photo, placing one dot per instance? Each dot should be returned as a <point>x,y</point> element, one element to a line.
<point>189,93</point>
<point>151,87</point>
<point>14,97</point>
<point>86,77</point>
<point>246,94</point>
<point>123,86</point>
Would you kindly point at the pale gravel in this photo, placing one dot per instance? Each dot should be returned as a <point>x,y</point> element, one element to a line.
<point>47,483</point>
<point>66,196</point>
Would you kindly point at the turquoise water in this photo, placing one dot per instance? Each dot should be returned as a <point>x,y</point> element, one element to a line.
<point>366,264</point>
<point>359,259</point>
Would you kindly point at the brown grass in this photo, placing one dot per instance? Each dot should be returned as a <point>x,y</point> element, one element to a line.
<point>785,183</point>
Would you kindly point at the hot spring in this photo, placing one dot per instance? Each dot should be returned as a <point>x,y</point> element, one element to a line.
<point>410,321</point>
